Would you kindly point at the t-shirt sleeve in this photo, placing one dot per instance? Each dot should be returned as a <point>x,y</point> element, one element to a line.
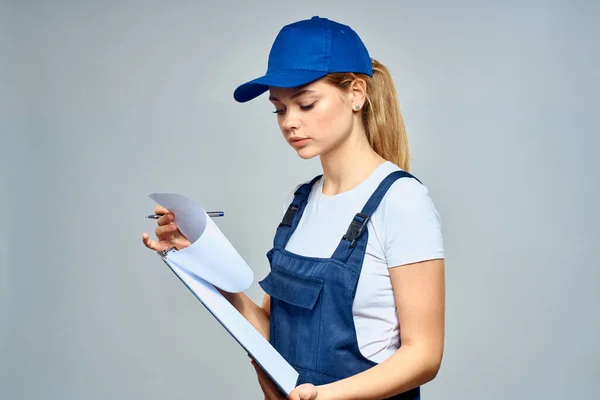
<point>412,230</point>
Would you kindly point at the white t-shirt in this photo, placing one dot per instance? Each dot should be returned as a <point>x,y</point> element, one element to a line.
<point>404,229</point>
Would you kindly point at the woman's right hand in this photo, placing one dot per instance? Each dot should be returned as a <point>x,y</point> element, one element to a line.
<point>167,233</point>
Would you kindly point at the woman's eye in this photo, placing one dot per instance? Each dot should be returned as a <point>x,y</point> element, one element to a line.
<point>305,108</point>
<point>308,107</point>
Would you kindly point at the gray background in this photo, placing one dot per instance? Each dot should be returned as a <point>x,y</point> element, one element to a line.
<point>105,102</point>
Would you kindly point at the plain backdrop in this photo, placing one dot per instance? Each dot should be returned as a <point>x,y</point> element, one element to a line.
<point>104,102</point>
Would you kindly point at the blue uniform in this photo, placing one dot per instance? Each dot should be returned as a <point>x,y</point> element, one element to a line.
<point>312,324</point>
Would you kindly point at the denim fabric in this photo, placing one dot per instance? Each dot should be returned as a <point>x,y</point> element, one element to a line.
<point>312,325</point>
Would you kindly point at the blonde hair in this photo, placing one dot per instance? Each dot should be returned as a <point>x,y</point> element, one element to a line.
<point>381,113</point>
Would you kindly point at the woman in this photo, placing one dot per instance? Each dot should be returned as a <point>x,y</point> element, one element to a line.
<point>355,297</point>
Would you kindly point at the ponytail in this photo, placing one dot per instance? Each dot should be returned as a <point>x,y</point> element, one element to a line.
<point>381,113</point>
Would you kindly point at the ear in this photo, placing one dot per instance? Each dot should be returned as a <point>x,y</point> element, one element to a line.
<point>358,94</point>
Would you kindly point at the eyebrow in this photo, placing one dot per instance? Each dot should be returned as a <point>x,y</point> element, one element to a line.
<point>296,94</point>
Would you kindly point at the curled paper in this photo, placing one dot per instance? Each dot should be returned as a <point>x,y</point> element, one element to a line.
<point>210,256</point>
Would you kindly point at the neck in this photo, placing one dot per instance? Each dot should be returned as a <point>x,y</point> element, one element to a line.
<point>348,164</point>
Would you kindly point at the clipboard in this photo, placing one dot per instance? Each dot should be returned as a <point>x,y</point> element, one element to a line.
<point>284,376</point>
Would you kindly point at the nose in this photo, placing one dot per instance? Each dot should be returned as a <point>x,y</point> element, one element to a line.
<point>290,121</point>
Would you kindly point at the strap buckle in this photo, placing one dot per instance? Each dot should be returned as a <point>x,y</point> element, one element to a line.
<point>288,218</point>
<point>356,228</point>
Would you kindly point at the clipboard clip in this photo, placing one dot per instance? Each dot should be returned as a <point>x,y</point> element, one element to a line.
<point>163,254</point>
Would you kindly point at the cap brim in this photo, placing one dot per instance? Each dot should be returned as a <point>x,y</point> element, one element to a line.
<point>283,79</point>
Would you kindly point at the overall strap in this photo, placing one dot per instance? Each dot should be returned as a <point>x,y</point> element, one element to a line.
<point>359,223</point>
<point>293,214</point>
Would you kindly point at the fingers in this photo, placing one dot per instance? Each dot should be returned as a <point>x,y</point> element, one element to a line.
<point>160,210</point>
<point>259,375</point>
<point>257,368</point>
<point>165,229</point>
<point>166,219</point>
<point>151,244</point>
<point>267,386</point>
<point>305,391</point>
<point>160,245</point>
<point>294,395</point>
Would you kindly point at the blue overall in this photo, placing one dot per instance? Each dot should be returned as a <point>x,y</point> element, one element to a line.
<point>312,325</point>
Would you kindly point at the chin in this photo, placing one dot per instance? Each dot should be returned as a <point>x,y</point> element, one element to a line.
<point>307,154</point>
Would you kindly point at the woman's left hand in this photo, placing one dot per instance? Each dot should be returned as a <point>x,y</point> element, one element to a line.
<point>305,391</point>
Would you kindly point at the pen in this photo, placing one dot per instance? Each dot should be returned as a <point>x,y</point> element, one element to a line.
<point>210,214</point>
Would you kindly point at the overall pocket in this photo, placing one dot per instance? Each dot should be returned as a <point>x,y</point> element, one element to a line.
<point>295,322</point>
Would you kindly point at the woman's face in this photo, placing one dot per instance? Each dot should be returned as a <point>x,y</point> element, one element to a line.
<point>314,118</point>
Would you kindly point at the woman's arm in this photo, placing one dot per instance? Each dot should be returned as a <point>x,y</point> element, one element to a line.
<point>419,292</point>
<point>258,316</point>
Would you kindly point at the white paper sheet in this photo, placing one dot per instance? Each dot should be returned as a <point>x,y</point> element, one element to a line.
<point>212,260</point>
<point>210,256</point>
<point>274,365</point>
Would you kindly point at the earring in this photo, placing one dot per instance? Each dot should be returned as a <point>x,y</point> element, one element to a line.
<point>357,107</point>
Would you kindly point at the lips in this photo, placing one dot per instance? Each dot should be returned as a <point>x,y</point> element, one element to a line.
<point>298,142</point>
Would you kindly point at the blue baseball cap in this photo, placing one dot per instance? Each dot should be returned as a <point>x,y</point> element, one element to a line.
<point>305,51</point>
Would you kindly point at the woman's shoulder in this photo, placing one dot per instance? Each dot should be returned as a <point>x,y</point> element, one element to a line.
<point>408,189</point>
<point>408,195</point>
<point>408,199</point>
<point>405,191</point>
